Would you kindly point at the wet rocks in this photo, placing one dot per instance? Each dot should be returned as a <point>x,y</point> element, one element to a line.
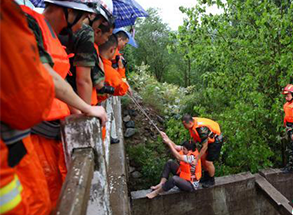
<point>127,118</point>
<point>129,132</point>
<point>132,112</point>
<point>136,174</point>
<point>129,123</point>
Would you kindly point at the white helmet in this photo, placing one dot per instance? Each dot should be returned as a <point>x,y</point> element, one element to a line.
<point>83,5</point>
<point>106,10</point>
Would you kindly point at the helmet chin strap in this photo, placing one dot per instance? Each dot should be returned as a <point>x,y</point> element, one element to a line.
<point>68,29</point>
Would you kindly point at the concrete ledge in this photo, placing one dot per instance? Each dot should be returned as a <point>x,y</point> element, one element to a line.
<point>78,132</point>
<point>240,194</point>
<point>119,199</point>
<point>82,133</point>
<point>220,181</point>
<point>279,201</point>
<point>76,189</point>
<point>233,194</point>
<point>282,182</point>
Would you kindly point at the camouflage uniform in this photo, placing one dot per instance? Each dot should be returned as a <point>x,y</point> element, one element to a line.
<point>44,55</point>
<point>85,54</point>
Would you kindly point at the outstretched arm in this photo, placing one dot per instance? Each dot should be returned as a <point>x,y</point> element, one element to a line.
<point>172,147</point>
<point>202,151</point>
<point>204,133</point>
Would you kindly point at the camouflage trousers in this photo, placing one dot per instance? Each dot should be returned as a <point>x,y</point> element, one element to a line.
<point>289,151</point>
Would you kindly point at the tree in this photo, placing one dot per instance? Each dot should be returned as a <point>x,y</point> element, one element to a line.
<point>152,36</point>
<point>244,57</point>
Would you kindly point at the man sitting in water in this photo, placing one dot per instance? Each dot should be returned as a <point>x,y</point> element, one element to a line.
<point>186,176</point>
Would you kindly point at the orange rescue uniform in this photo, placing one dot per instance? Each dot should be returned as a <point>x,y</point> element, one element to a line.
<point>288,109</point>
<point>114,79</point>
<point>203,122</point>
<point>184,168</point>
<point>27,91</point>
<point>53,46</point>
<point>50,152</point>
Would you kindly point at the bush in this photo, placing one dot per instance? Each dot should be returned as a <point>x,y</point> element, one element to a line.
<point>164,97</point>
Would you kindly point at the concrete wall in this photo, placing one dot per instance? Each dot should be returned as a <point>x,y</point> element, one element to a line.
<point>282,182</point>
<point>108,187</point>
<point>241,194</point>
<point>80,132</point>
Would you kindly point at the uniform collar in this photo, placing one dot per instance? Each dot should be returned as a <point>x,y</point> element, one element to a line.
<point>97,49</point>
<point>106,61</point>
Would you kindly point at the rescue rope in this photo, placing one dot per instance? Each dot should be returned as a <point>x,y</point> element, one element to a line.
<point>142,110</point>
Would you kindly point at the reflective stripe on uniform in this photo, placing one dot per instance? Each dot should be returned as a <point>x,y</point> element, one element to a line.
<point>10,195</point>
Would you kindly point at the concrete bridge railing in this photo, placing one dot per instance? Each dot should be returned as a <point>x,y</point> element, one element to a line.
<point>88,187</point>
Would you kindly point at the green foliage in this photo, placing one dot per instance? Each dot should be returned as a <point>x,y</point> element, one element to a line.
<point>152,36</point>
<point>239,62</point>
<point>164,97</point>
<point>176,131</point>
<point>243,58</point>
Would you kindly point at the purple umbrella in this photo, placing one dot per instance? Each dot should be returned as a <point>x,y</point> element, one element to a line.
<point>126,12</point>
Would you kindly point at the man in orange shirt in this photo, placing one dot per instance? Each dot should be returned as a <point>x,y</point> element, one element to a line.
<point>118,61</point>
<point>112,77</point>
<point>24,102</point>
<point>123,38</point>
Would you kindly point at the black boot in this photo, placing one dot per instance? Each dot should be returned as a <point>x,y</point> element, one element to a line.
<point>114,140</point>
<point>209,183</point>
<point>205,177</point>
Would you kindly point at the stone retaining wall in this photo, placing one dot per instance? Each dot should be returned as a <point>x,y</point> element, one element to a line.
<point>241,194</point>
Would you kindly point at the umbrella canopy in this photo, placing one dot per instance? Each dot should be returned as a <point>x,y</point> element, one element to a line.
<point>131,39</point>
<point>126,12</point>
<point>38,3</point>
<point>26,2</point>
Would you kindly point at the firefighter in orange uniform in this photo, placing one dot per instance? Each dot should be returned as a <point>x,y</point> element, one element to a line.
<point>58,17</point>
<point>186,175</point>
<point>288,122</point>
<point>24,102</point>
<point>112,77</point>
<point>32,97</point>
<point>118,61</point>
<point>123,38</point>
<point>208,134</point>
